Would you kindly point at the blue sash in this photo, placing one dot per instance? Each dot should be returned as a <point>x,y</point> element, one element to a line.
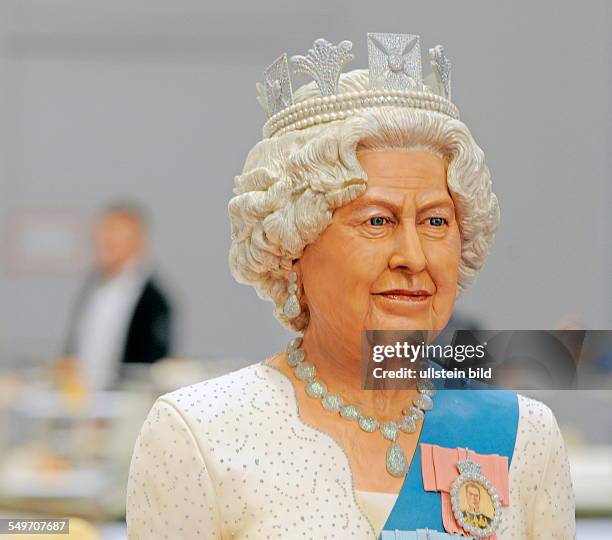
<point>484,421</point>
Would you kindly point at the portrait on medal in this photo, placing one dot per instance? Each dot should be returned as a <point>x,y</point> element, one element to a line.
<point>476,505</point>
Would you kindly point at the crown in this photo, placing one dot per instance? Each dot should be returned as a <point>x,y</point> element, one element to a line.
<point>468,467</point>
<point>396,80</point>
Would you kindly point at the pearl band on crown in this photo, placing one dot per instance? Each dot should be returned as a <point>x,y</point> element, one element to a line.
<point>325,109</point>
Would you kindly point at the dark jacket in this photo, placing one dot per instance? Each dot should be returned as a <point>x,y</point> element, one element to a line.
<point>149,335</point>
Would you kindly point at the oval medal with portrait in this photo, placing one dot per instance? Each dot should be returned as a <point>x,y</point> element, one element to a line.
<point>475,502</point>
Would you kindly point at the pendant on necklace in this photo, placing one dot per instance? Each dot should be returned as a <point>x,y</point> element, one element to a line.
<point>396,461</point>
<point>397,464</point>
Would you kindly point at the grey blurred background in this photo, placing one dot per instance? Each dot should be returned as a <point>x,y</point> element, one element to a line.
<point>154,101</point>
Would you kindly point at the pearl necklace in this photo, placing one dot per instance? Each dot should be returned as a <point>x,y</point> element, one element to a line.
<point>396,461</point>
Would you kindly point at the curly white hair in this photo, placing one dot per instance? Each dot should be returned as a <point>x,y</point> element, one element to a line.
<point>291,184</point>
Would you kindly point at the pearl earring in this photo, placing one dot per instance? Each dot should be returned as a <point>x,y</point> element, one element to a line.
<point>292,306</point>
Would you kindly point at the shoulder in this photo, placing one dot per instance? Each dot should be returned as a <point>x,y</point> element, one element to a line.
<point>538,439</point>
<point>540,480</point>
<point>153,294</point>
<point>240,380</point>
<point>536,419</point>
<point>247,392</point>
<point>238,417</point>
<point>208,404</point>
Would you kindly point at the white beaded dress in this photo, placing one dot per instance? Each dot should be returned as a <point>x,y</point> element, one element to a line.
<point>230,458</point>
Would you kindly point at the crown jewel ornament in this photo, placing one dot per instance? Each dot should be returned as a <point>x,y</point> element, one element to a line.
<point>441,69</point>
<point>323,63</point>
<point>395,62</point>
<point>275,93</point>
<point>396,80</point>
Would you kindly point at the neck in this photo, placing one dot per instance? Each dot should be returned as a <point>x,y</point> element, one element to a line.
<point>338,363</point>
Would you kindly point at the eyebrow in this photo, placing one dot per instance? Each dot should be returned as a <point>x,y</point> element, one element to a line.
<point>433,203</point>
<point>422,205</point>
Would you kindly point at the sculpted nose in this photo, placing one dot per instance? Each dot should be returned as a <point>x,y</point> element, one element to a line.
<point>408,252</point>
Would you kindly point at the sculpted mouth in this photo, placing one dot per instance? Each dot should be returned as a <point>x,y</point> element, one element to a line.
<point>404,295</point>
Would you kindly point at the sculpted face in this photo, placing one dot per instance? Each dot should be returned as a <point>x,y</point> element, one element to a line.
<point>389,260</point>
<point>473,497</point>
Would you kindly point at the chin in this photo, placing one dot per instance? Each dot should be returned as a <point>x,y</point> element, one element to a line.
<point>394,322</point>
<point>385,321</point>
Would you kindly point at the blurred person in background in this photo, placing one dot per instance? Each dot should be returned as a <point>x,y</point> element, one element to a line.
<point>121,315</point>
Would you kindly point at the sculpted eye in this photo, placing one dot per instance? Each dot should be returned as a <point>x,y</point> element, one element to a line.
<point>378,221</point>
<point>438,221</point>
